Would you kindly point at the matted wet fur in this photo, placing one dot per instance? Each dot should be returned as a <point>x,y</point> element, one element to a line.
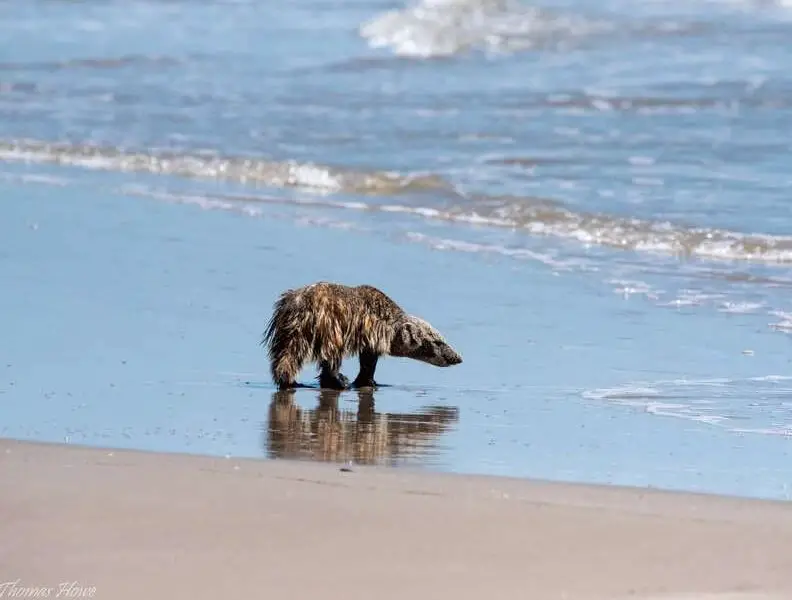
<point>325,322</point>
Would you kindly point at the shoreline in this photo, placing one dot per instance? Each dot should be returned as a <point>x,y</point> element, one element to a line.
<point>129,522</point>
<point>170,338</point>
<point>506,482</point>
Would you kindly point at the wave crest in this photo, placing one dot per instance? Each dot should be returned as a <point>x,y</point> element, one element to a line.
<point>435,28</point>
<point>318,178</point>
<point>542,218</point>
<point>536,216</point>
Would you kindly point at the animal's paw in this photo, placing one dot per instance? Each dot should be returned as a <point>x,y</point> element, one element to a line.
<point>364,383</point>
<point>336,381</point>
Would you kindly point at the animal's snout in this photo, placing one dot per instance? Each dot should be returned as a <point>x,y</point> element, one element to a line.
<point>453,358</point>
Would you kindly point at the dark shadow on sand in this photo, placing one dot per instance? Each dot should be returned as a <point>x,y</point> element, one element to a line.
<point>363,436</point>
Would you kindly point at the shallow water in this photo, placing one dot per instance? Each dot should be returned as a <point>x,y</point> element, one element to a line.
<point>589,199</point>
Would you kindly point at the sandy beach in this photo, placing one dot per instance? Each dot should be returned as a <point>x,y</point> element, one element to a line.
<point>128,524</point>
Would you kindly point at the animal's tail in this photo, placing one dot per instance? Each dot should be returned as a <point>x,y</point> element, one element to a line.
<point>288,348</point>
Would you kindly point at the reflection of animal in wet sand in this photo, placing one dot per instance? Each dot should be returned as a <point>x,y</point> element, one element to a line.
<point>325,322</point>
<point>364,436</point>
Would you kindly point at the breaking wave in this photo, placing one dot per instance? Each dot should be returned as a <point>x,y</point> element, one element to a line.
<point>443,28</point>
<point>536,216</point>
<point>318,178</point>
<point>435,28</point>
<point>642,235</point>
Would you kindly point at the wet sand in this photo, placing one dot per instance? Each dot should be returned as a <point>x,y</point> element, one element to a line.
<point>132,524</point>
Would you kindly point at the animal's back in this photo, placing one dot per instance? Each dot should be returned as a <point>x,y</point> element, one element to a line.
<point>377,303</point>
<point>324,321</point>
<point>334,304</point>
<point>319,311</point>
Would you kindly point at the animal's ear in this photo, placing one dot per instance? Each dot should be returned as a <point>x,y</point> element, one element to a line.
<point>407,339</point>
<point>410,335</point>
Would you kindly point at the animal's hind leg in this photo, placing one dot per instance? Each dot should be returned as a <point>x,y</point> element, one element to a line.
<point>284,370</point>
<point>330,376</point>
<point>368,364</point>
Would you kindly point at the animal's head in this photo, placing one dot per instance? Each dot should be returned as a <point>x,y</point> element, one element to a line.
<point>415,338</point>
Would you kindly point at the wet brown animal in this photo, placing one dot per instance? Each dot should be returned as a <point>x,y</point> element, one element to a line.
<point>325,322</point>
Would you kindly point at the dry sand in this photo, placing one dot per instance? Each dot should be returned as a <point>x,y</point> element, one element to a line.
<point>144,525</point>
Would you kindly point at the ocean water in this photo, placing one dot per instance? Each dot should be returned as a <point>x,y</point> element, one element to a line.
<point>591,200</point>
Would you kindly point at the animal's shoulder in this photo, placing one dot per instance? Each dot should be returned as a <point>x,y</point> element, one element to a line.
<point>378,302</point>
<point>323,291</point>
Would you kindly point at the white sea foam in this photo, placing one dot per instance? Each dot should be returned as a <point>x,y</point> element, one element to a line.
<point>776,378</point>
<point>740,308</point>
<point>204,202</point>
<point>632,395</point>
<point>250,205</point>
<point>464,246</point>
<point>784,323</point>
<point>548,222</point>
<point>434,28</point>
<point>627,288</point>
<point>758,404</point>
<point>691,298</point>
<point>34,178</point>
<point>317,178</point>
<point>784,430</point>
<point>535,216</point>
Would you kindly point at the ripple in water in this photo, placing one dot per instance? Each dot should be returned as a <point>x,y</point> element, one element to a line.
<point>91,63</point>
<point>760,405</point>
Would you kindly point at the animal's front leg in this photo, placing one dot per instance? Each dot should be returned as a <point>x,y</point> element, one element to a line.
<point>331,378</point>
<point>368,364</point>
